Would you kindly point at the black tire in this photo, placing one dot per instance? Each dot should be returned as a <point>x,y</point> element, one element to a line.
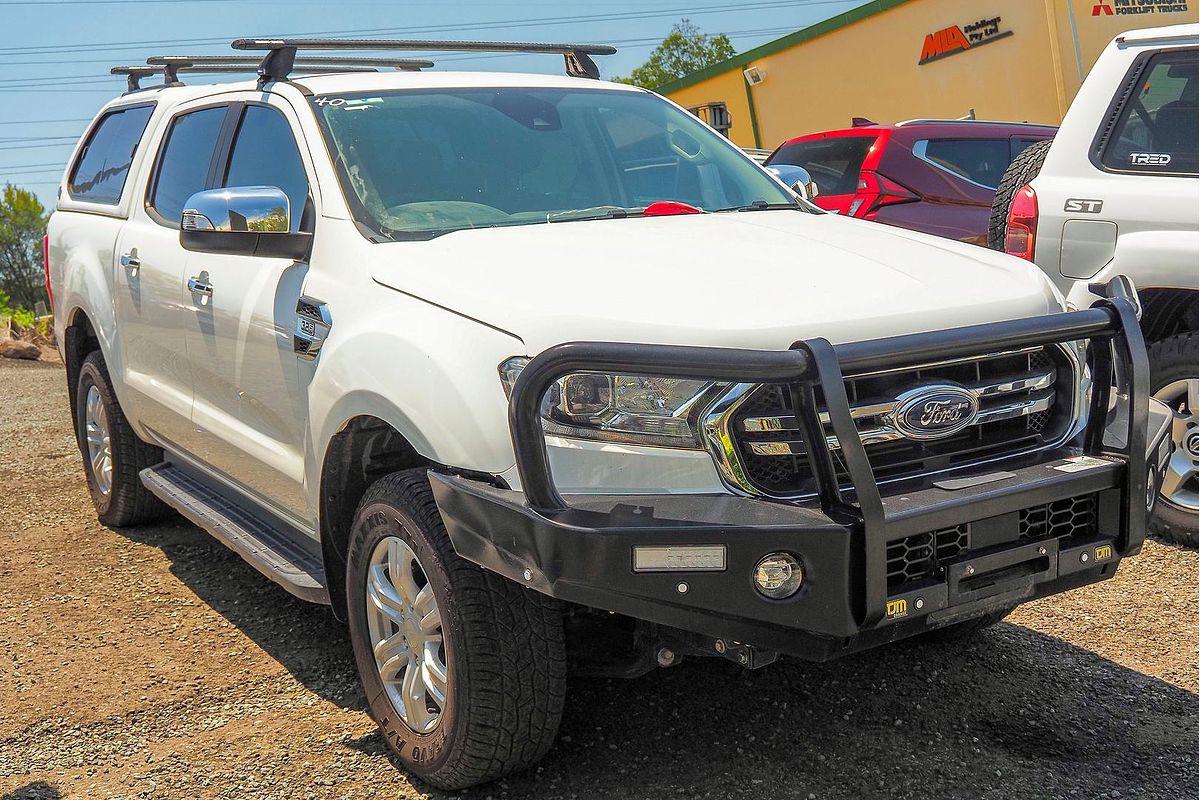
<point>965,629</point>
<point>504,647</point>
<point>1021,171</point>
<point>1173,359</point>
<point>128,502</point>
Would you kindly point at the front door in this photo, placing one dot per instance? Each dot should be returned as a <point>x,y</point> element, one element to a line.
<point>250,406</point>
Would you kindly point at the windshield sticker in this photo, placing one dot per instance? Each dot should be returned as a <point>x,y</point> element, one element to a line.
<point>1150,159</point>
<point>347,104</point>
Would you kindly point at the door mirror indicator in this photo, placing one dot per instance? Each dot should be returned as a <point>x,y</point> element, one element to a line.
<point>243,220</point>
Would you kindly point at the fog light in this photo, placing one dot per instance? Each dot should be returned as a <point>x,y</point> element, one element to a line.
<point>778,575</point>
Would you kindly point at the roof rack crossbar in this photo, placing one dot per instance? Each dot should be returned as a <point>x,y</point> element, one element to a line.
<point>212,69</point>
<point>281,55</point>
<point>134,74</point>
<point>334,62</point>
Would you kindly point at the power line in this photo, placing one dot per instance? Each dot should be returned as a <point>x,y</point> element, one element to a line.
<point>44,164</point>
<point>42,121</point>
<point>32,146</point>
<point>54,80</point>
<point>505,24</point>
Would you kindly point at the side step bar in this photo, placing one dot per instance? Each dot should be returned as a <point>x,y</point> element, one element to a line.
<point>271,549</point>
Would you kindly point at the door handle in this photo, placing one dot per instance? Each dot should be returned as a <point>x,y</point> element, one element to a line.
<point>200,286</point>
<point>130,260</point>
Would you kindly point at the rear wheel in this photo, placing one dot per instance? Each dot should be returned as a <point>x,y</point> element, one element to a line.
<point>464,671</point>
<point>1173,380</point>
<point>113,455</point>
<point>1023,169</point>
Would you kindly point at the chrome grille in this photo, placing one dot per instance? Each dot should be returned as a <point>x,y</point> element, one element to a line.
<point>1025,402</point>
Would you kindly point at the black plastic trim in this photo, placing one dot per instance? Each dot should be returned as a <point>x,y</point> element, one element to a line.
<point>295,246</point>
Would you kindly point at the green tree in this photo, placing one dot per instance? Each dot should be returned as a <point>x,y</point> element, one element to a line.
<point>683,52</point>
<point>22,225</point>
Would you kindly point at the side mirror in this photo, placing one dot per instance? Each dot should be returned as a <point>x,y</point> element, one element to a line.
<point>242,220</point>
<point>796,178</point>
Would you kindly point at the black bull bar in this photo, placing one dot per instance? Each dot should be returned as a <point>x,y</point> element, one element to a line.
<point>1117,351</point>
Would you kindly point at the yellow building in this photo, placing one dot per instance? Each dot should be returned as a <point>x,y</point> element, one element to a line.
<point>889,60</point>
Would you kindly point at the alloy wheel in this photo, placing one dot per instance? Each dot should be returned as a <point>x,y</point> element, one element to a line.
<point>1180,487</point>
<point>99,441</point>
<point>407,639</point>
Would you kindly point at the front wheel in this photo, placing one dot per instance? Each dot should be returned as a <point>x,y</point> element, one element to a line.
<point>464,671</point>
<point>1173,381</point>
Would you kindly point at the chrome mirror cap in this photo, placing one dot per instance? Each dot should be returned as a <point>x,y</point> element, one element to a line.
<point>796,178</point>
<point>240,209</point>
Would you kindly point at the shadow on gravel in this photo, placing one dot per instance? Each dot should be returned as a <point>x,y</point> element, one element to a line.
<point>303,637</point>
<point>38,790</point>
<point>1012,713</point>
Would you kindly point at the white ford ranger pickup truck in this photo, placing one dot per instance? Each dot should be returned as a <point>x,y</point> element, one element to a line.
<point>526,373</point>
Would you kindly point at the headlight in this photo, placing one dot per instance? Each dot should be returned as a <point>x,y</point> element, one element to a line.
<point>638,409</point>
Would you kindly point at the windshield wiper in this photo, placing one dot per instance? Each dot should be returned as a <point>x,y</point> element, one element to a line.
<point>595,212</point>
<point>761,205</point>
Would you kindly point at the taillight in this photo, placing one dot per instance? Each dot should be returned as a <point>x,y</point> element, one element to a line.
<point>1021,231</point>
<point>875,191</point>
<point>46,267</point>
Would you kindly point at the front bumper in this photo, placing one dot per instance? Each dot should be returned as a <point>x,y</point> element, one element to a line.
<point>581,548</point>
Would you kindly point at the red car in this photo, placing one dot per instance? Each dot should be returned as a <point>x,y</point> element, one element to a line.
<point>935,176</point>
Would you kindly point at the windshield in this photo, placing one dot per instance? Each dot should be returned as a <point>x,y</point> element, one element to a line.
<point>416,164</point>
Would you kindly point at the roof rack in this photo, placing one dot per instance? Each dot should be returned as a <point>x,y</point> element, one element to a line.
<point>135,73</point>
<point>170,67</point>
<point>280,59</point>
<point>936,121</point>
<point>248,63</point>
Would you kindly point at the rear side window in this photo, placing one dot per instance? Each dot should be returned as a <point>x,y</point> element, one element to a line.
<point>834,163</point>
<point>184,161</point>
<point>265,154</point>
<point>103,165</point>
<point>1156,118</point>
<point>981,161</point>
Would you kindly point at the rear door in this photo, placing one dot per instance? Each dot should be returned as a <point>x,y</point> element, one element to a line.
<point>250,409</point>
<point>149,279</point>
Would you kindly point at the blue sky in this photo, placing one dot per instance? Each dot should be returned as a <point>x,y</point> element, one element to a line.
<point>55,54</point>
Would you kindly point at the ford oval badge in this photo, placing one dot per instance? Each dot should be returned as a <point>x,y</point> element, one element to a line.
<point>933,412</point>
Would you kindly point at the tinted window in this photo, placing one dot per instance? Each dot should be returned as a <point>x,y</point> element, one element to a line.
<point>265,154</point>
<point>833,163</point>
<point>184,161</point>
<point>980,160</point>
<point>416,164</point>
<point>1018,145</point>
<point>1157,128</point>
<point>99,174</point>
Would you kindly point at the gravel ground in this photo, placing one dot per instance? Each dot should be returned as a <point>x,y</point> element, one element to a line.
<point>153,663</point>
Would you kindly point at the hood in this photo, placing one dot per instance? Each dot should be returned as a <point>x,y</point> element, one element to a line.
<point>759,279</point>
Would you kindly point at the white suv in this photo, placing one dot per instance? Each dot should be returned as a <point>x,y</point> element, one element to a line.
<point>520,371</point>
<point>1115,193</point>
